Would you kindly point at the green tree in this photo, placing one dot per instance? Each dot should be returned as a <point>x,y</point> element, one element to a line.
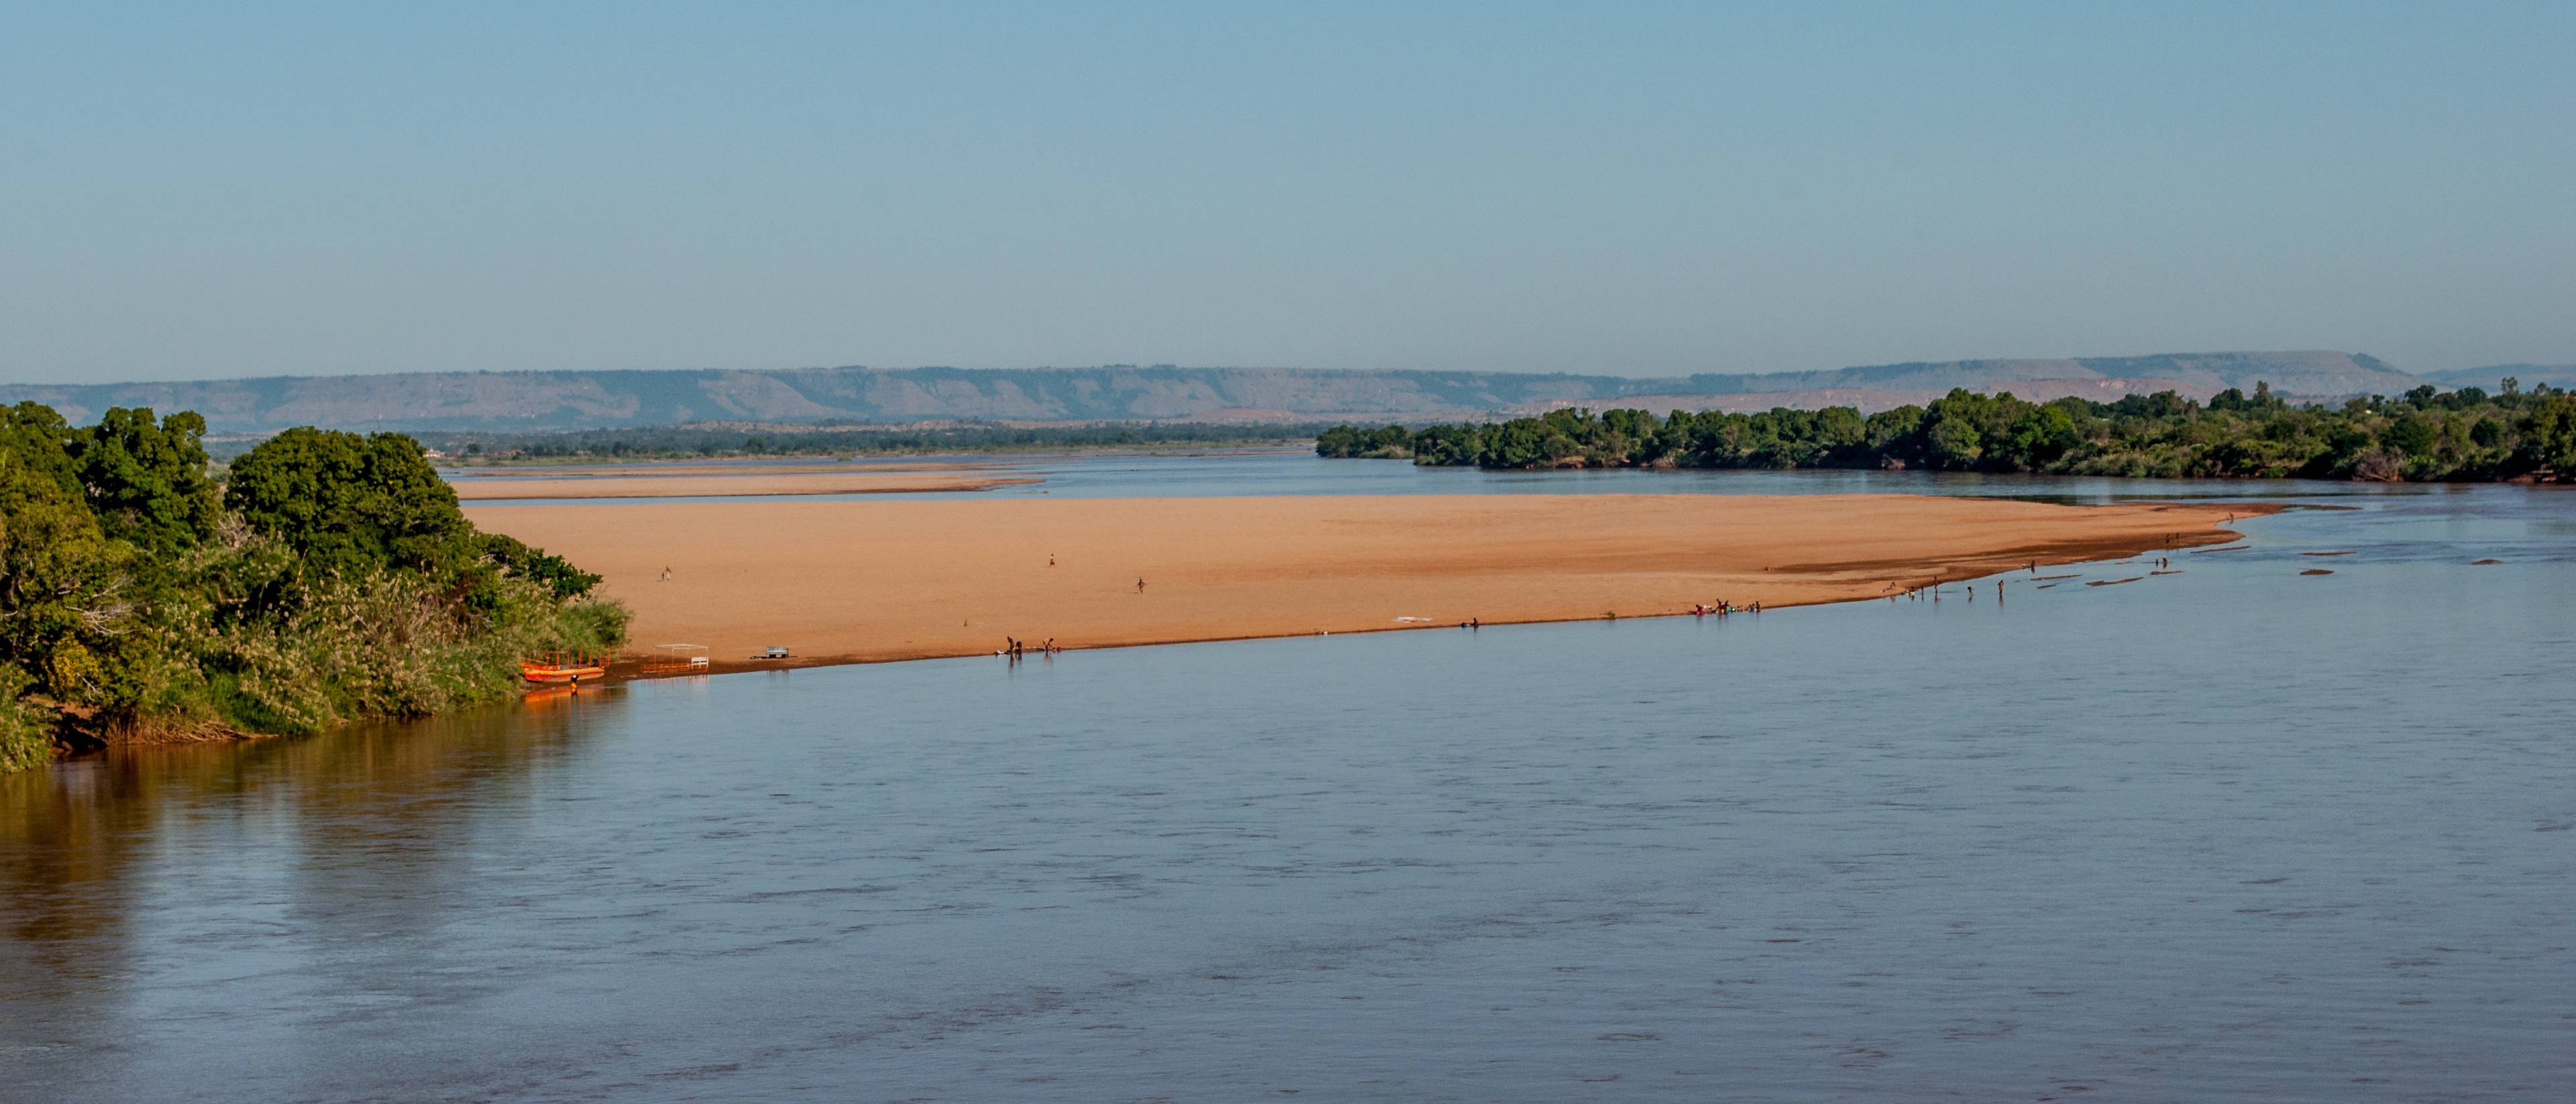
<point>556,574</point>
<point>147,481</point>
<point>1448,445</point>
<point>2411,435</point>
<point>1953,443</point>
<point>66,601</point>
<point>2042,436</point>
<point>1897,435</point>
<point>1341,441</point>
<point>346,503</point>
<point>1519,443</point>
<point>2549,436</point>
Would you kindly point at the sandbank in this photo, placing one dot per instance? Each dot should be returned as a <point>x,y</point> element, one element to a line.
<point>863,581</point>
<point>658,468</point>
<point>729,486</point>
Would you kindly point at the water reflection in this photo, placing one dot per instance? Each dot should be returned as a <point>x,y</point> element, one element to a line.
<point>371,813</point>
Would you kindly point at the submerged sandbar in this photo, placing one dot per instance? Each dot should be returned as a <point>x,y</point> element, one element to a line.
<point>862,581</point>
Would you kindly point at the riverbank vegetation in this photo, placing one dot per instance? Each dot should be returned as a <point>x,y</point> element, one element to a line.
<point>2425,434</point>
<point>329,577</point>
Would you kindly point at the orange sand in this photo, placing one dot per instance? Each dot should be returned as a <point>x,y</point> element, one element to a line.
<point>866,581</point>
<point>658,468</point>
<point>722,486</point>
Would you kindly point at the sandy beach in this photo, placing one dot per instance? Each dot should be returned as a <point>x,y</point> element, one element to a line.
<point>872,581</point>
<point>762,484</point>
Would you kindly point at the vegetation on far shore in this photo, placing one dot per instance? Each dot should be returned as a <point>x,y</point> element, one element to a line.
<point>2426,434</point>
<point>329,577</point>
<point>832,438</point>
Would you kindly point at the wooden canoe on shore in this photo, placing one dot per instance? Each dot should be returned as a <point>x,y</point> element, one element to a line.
<point>562,669</point>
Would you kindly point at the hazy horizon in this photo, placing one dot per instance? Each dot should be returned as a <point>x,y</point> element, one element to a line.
<point>1207,367</point>
<point>1646,190</point>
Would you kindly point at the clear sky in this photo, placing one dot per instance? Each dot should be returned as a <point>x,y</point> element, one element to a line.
<point>205,190</point>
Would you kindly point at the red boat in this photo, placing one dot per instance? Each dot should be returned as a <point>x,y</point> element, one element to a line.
<point>572,669</point>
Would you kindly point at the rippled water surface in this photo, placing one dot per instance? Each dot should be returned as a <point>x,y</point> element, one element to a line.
<point>2236,833</point>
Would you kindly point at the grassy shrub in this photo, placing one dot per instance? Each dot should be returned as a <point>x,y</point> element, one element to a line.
<point>388,644</point>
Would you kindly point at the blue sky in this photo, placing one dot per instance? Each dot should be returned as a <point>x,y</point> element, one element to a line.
<point>217,190</point>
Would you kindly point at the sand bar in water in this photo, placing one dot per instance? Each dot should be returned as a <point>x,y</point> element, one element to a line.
<point>728,486</point>
<point>895,579</point>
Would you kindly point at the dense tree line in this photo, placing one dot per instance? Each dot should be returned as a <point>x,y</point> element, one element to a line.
<point>2425,434</point>
<point>331,576</point>
<point>835,439</point>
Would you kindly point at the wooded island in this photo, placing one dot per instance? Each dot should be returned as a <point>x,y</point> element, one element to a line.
<point>2424,435</point>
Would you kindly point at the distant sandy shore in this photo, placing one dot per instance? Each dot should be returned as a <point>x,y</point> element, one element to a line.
<point>844,582</point>
<point>726,486</point>
<point>663,468</point>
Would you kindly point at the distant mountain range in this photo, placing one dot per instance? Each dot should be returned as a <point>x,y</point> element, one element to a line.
<point>541,401</point>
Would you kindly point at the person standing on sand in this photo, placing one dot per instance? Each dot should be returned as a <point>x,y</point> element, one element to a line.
<point>1140,584</point>
<point>666,574</point>
<point>1050,559</point>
